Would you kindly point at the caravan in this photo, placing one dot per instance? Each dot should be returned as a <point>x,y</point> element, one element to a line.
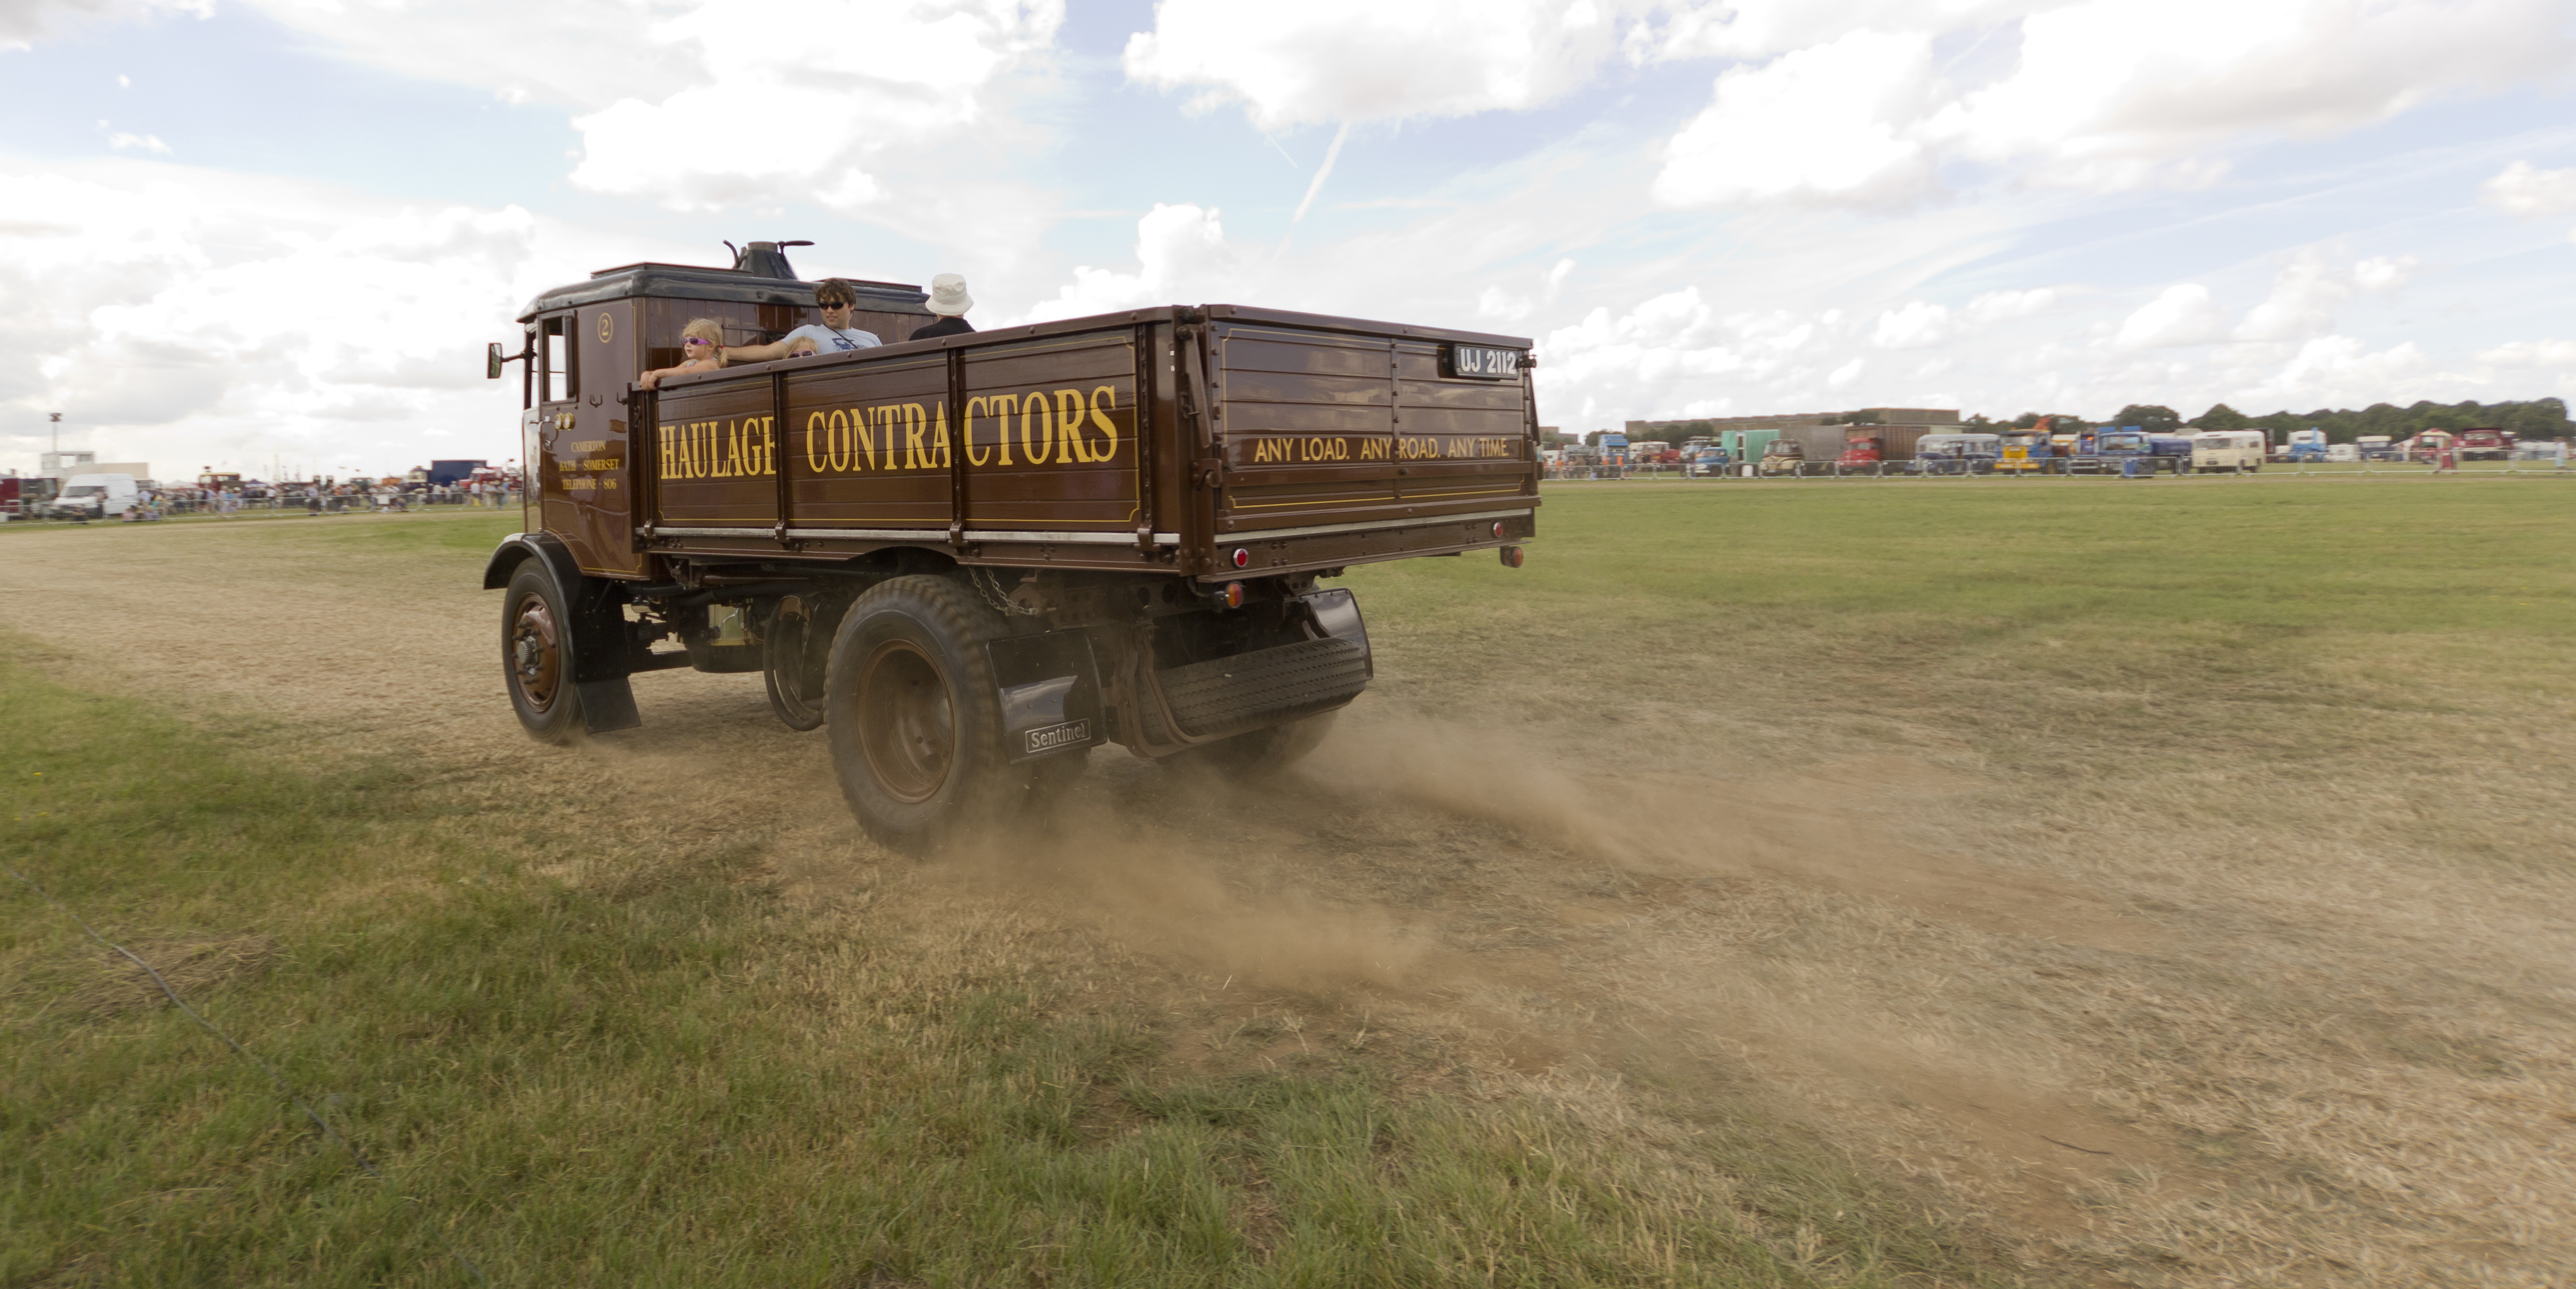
<point>2237,450</point>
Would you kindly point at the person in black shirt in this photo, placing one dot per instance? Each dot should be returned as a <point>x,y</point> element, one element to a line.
<point>949,300</point>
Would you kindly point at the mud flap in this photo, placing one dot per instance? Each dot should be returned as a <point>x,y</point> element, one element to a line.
<point>607,705</point>
<point>1225,696</point>
<point>1050,691</point>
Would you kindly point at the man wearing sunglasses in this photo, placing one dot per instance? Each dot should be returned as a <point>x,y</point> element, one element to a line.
<point>833,335</point>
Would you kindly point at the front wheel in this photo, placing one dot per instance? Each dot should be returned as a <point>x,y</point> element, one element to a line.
<point>536,656</point>
<point>916,722</point>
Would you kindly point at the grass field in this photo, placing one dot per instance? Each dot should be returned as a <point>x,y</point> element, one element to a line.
<point>2087,885</point>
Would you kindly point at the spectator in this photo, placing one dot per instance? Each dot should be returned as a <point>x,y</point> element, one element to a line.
<point>701,348</point>
<point>949,302</point>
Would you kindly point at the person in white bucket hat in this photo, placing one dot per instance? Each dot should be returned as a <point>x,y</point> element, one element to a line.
<point>949,300</point>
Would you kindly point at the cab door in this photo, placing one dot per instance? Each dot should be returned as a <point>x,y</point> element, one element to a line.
<point>578,467</point>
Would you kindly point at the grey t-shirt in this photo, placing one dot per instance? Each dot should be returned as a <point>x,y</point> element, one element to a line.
<point>826,340</point>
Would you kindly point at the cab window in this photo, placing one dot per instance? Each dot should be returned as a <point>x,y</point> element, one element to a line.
<point>559,377</point>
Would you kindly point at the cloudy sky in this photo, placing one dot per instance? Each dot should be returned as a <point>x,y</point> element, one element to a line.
<point>243,232</point>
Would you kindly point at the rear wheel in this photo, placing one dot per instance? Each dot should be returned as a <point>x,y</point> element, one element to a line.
<point>536,656</point>
<point>795,658</point>
<point>916,724</point>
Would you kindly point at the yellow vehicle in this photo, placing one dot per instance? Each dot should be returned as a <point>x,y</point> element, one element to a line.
<point>2030,451</point>
<point>1783,456</point>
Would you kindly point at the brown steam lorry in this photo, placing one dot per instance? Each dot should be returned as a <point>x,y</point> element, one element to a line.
<point>972,558</point>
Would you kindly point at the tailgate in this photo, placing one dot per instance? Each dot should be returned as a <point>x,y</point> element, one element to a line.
<point>1335,427</point>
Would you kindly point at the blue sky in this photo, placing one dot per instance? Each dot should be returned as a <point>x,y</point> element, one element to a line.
<point>278,232</point>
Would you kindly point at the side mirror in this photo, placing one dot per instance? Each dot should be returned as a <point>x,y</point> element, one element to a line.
<point>492,361</point>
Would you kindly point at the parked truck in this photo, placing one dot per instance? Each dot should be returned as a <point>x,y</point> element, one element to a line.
<point>971,558</point>
<point>2030,451</point>
<point>2308,445</point>
<point>2128,451</point>
<point>2485,443</point>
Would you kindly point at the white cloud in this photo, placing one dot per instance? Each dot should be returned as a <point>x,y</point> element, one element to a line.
<point>2524,189</point>
<point>1760,28</point>
<point>1495,302</point>
<point>2383,273</point>
<point>2005,306</point>
<point>24,21</point>
<point>184,316</point>
<point>2333,370</point>
<point>1821,124</point>
<point>783,118</point>
<point>2184,315</point>
<point>148,143</point>
<point>1916,325</point>
<point>2109,92</point>
<point>1367,60</point>
<point>1181,258</point>
<point>2102,94</point>
<point>2307,294</point>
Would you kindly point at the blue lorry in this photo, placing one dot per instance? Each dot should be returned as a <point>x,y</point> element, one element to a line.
<point>2128,451</point>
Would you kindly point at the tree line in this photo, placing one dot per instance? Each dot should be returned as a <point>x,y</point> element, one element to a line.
<point>2537,418</point>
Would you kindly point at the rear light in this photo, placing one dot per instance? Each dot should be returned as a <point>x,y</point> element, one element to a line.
<point>1498,528</point>
<point>1234,595</point>
<point>1511,557</point>
<point>1242,557</point>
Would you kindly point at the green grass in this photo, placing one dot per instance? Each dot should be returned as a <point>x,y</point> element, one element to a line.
<point>641,1082</point>
<point>675,1076</point>
<point>1888,594</point>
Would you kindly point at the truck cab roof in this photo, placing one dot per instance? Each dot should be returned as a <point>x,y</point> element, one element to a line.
<point>761,275</point>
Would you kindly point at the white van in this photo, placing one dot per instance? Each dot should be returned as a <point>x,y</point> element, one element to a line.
<point>94,496</point>
<point>2343,452</point>
<point>2238,450</point>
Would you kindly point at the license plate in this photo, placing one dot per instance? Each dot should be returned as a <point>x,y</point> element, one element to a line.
<point>1484,362</point>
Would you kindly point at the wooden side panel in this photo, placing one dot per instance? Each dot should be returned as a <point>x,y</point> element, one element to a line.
<point>1323,427</point>
<point>1461,439</point>
<point>715,456</point>
<point>1050,434</point>
<point>1307,419</point>
<point>869,445</point>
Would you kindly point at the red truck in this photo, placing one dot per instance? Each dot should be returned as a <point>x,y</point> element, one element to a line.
<point>2486,443</point>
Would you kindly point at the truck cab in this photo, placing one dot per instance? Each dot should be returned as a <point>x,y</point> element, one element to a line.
<point>1967,453</point>
<point>2486,443</point>
<point>1783,455</point>
<point>2308,445</point>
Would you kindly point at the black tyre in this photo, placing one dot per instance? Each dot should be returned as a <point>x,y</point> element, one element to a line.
<point>916,724</point>
<point>1262,751</point>
<point>536,656</point>
<point>795,661</point>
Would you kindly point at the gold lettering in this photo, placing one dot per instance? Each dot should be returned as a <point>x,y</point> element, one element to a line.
<point>966,431</point>
<point>670,452</point>
<point>813,423</point>
<point>1003,405</point>
<point>916,419</point>
<point>768,445</point>
<point>1104,399</point>
<point>837,440</point>
<point>1068,416</point>
<point>1035,407</point>
<point>729,461</point>
<point>939,436</point>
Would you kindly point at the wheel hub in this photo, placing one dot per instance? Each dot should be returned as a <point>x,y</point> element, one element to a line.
<point>536,652</point>
<point>907,727</point>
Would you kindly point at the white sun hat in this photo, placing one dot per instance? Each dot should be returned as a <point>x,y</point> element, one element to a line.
<point>948,296</point>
